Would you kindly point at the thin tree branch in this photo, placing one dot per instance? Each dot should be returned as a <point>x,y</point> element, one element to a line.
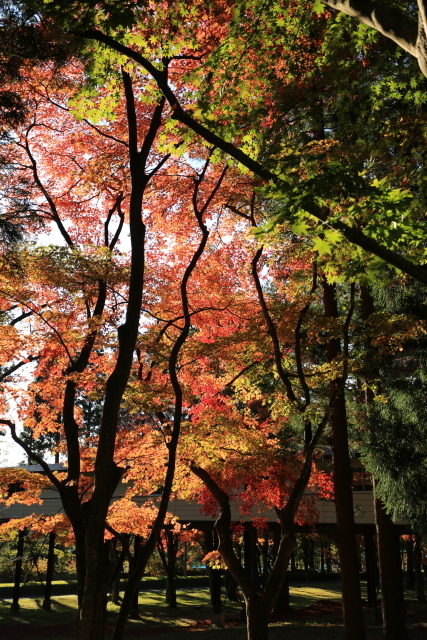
<point>17,366</point>
<point>31,454</point>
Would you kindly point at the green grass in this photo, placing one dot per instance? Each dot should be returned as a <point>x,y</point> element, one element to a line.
<point>34,589</point>
<point>194,609</point>
<point>153,607</point>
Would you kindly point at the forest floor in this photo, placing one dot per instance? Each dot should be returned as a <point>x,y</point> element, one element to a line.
<point>315,614</point>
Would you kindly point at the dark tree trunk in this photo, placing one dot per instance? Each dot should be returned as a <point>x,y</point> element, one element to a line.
<point>99,572</point>
<point>371,568</point>
<point>250,555</point>
<point>115,589</point>
<point>134,612</point>
<point>265,558</point>
<point>305,556</point>
<point>230,587</point>
<point>170,594</point>
<point>328,560</point>
<point>390,575</point>
<point>346,531</point>
<point>184,560</point>
<point>208,545</point>
<point>256,619</point>
<point>216,583</point>
<point>49,571</point>
<point>293,565</point>
<point>14,608</point>
<point>419,578</point>
<point>410,573</point>
<point>311,554</point>
<point>118,564</point>
<point>283,600</point>
<point>172,548</point>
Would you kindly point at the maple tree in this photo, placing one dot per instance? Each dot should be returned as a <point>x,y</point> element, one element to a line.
<point>84,302</point>
<point>254,447</point>
<point>208,123</point>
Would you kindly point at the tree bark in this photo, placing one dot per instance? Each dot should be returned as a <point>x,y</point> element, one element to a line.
<point>371,569</point>
<point>230,587</point>
<point>410,573</point>
<point>346,531</point>
<point>14,608</point>
<point>257,616</point>
<point>171,570</point>
<point>293,565</point>
<point>49,571</point>
<point>283,599</point>
<point>99,572</point>
<point>134,612</point>
<point>419,578</point>
<point>390,573</point>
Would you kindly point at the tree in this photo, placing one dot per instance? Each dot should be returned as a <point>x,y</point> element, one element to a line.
<point>85,300</point>
<point>375,196</point>
<point>229,447</point>
<point>408,29</point>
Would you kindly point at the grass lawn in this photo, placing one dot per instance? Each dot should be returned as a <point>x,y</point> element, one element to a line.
<point>315,615</point>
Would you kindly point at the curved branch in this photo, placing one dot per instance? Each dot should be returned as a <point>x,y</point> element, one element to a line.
<point>271,330</point>
<point>298,357</point>
<point>222,526</point>
<point>34,456</point>
<point>55,215</point>
<point>355,236</point>
<point>388,21</point>
<point>17,366</point>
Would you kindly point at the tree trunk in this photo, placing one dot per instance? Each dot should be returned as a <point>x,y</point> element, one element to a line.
<point>410,573</point>
<point>346,531</point>
<point>171,590</point>
<point>216,583</point>
<point>390,575</point>
<point>115,589</point>
<point>371,568</point>
<point>293,565</point>
<point>283,600</point>
<point>184,560</point>
<point>230,587</point>
<point>419,578</point>
<point>99,571</point>
<point>134,612</point>
<point>172,548</point>
<point>265,563</point>
<point>329,562</point>
<point>256,619</point>
<point>14,608</point>
<point>250,557</point>
<point>49,572</point>
<point>311,554</point>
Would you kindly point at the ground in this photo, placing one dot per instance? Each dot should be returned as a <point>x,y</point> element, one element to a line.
<point>315,615</point>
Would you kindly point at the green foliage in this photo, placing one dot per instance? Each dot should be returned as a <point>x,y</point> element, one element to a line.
<point>394,439</point>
